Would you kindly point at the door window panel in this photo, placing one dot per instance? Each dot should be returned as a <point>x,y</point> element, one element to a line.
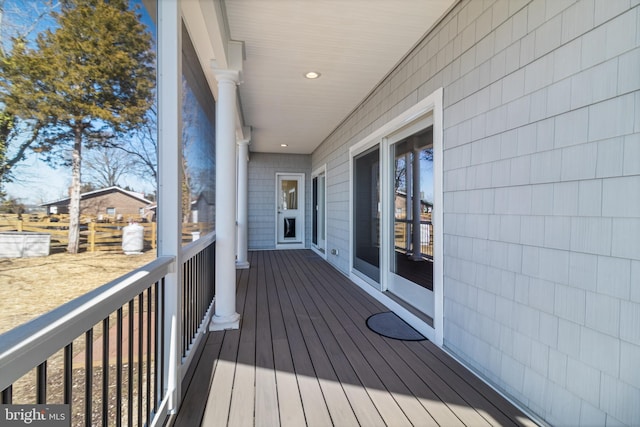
<point>289,194</point>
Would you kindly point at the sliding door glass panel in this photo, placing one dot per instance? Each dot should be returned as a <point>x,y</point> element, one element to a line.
<point>318,227</point>
<point>366,211</point>
<point>413,205</point>
<point>322,233</point>
<point>314,214</point>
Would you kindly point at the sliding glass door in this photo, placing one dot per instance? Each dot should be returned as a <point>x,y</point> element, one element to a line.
<point>396,215</point>
<point>318,229</point>
<point>366,214</point>
<point>412,196</point>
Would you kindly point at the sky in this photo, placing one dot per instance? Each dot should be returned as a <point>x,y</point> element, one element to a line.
<point>36,182</point>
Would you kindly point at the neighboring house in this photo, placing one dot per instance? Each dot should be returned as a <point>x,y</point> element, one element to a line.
<point>203,210</point>
<point>111,202</point>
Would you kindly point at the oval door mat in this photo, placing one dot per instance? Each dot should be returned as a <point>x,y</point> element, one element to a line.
<point>389,325</point>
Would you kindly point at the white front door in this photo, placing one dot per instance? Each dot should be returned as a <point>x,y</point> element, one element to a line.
<point>290,211</point>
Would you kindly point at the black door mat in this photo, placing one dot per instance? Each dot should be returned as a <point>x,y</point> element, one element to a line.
<point>389,325</point>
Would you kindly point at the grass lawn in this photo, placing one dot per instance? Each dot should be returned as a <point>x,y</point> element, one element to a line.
<point>30,287</point>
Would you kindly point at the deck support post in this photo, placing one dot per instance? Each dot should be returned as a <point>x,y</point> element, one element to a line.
<point>243,202</point>
<point>225,315</point>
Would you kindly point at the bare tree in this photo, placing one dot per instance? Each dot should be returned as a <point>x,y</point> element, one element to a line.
<point>105,167</point>
<point>141,146</point>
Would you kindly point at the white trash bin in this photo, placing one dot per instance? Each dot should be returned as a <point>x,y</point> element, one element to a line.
<point>133,239</point>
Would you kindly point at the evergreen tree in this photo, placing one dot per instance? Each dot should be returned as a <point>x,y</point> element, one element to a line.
<point>86,81</point>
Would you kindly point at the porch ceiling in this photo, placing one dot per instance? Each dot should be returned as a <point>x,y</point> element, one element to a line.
<point>352,43</point>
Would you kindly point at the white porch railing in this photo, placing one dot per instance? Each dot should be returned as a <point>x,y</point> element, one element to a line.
<point>106,353</point>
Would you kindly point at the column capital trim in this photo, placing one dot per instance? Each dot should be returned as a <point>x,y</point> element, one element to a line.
<point>227,75</point>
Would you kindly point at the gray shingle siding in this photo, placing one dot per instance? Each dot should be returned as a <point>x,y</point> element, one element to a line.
<point>541,196</point>
<point>262,193</point>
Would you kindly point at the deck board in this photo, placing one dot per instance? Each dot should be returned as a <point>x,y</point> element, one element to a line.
<point>399,379</point>
<point>315,408</point>
<point>334,394</point>
<point>328,329</point>
<point>241,412</point>
<point>304,356</point>
<point>383,401</point>
<point>430,399</point>
<point>266,386</point>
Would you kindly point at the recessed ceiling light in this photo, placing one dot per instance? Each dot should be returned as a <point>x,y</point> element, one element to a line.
<point>284,145</point>
<point>312,75</point>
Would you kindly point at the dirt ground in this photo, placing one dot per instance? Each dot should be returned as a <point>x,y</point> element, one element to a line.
<point>30,287</point>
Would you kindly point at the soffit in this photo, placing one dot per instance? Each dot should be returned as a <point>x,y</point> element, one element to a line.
<point>352,43</point>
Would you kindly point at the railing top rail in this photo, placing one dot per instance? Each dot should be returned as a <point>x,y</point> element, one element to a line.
<point>197,246</point>
<point>30,344</point>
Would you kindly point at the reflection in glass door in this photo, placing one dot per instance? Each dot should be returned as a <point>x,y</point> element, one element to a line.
<point>411,261</point>
<point>366,211</point>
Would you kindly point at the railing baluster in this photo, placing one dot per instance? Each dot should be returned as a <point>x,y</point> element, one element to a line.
<point>88,378</point>
<point>190,304</point>
<point>148,381</point>
<point>195,322</point>
<point>7,395</point>
<point>119,368</point>
<point>163,303</point>
<point>199,289</point>
<point>156,291</point>
<point>105,371</point>
<point>140,358</point>
<point>185,296</point>
<point>41,380</point>
<point>198,293</point>
<point>187,304</point>
<point>130,367</point>
<point>68,375</point>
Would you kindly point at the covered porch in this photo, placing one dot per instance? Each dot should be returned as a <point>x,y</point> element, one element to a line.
<point>305,356</point>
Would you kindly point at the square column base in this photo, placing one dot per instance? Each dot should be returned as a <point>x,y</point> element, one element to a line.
<point>224,323</point>
<point>242,265</point>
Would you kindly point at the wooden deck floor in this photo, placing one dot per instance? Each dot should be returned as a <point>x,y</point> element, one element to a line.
<point>304,356</point>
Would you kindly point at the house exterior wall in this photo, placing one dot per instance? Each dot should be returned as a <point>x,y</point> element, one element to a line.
<point>98,204</point>
<point>124,205</point>
<point>262,195</point>
<point>541,196</point>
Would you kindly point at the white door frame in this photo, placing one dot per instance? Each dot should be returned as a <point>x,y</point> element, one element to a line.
<point>431,105</point>
<point>322,251</point>
<point>405,289</point>
<point>300,218</point>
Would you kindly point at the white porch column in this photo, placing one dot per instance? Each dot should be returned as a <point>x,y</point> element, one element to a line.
<point>225,316</point>
<point>243,203</point>
<point>169,185</point>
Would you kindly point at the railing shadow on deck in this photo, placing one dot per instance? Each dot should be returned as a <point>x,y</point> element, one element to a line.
<point>301,318</point>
